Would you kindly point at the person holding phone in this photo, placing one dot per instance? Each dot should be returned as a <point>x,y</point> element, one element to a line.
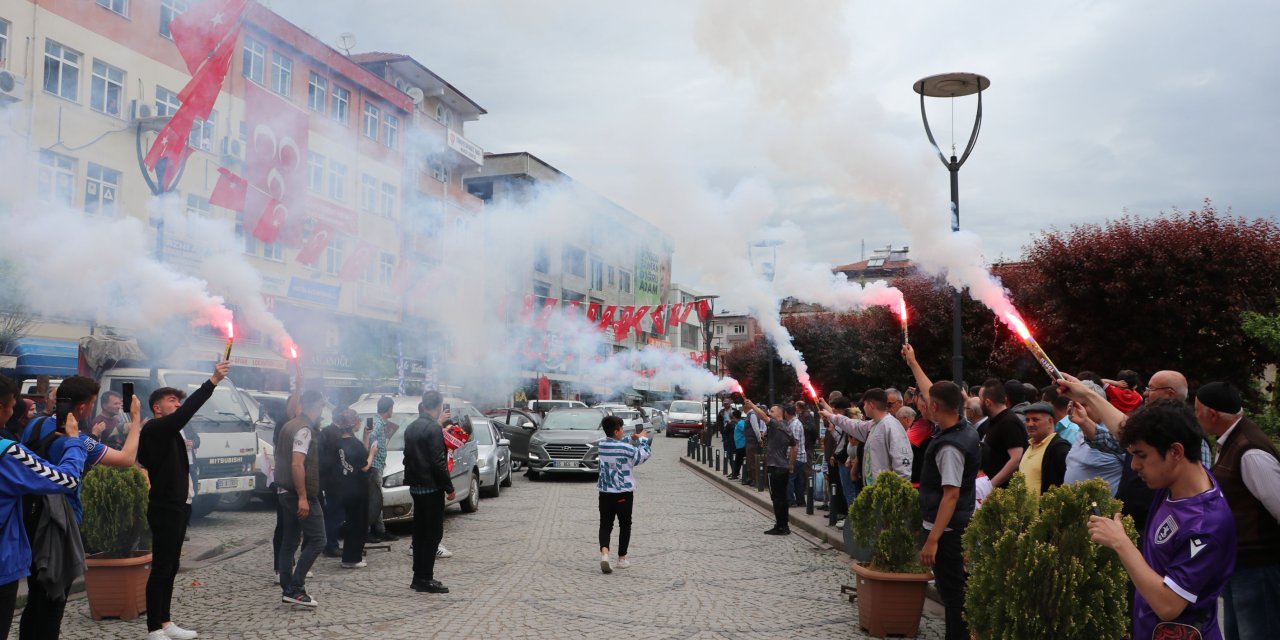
<point>352,486</point>
<point>426,471</point>
<point>163,452</point>
<point>619,456</point>
<point>378,431</point>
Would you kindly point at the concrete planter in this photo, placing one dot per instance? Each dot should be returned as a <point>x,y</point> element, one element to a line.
<point>890,604</point>
<point>117,587</point>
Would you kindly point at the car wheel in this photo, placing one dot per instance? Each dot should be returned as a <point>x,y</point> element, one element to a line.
<point>204,505</point>
<point>533,475</point>
<point>492,490</point>
<point>473,498</point>
<point>670,435</point>
<point>234,501</point>
<point>506,481</point>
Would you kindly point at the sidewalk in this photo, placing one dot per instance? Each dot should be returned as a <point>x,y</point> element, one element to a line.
<point>813,527</point>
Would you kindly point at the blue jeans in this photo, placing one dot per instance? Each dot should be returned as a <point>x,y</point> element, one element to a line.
<point>846,483</point>
<point>1252,603</point>
<point>796,484</point>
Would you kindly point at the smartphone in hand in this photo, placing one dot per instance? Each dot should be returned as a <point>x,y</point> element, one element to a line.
<point>126,392</point>
<point>60,412</point>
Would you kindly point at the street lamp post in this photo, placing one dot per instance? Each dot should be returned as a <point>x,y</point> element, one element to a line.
<point>706,334</point>
<point>767,270</point>
<point>164,180</point>
<point>953,85</point>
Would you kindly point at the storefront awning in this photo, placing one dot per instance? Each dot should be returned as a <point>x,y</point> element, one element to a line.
<point>44,356</point>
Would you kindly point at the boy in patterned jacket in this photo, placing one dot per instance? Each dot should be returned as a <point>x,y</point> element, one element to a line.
<point>618,456</point>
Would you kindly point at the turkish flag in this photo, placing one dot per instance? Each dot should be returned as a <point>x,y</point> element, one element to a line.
<point>406,271</point>
<point>704,307</point>
<point>317,242</point>
<point>631,317</point>
<point>606,318</point>
<point>201,28</point>
<point>657,318</point>
<point>526,309</point>
<point>270,222</point>
<point>202,90</point>
<point>230,190</point>
<point>170,147</point>
<point>353,266</point>
<point>593,312</point>
<point>544,317</point>
<point>274,167</point>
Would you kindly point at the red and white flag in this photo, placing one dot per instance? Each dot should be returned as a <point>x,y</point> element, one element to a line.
<point>631,317</point>
<point>658,320</point>
<point>170,149</point>
<point>201,28</point>
<point>274,168</point>
<point>593,312</point>
<point>406,271</point>
<point>353,265</point>
<point>606,318</point>
<point>548,307</point>
<point>704,307</point>
<point>526,309</point>
<point>317,242</point>
<point>230,190</point>
<point>202,90</point>
<point>270,222</point>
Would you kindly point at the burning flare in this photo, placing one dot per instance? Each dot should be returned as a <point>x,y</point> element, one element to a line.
<point>231,337</point>
<point>1020,327</point>
<point>902,315</point>
<point>813,393</point>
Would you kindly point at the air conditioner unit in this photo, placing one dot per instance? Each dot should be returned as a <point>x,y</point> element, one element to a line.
<point>232,150</point>
<point>140,113</point>
<point>11,87</point>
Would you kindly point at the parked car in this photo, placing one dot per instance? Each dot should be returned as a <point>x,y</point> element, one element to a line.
<point>685,418</point>
<point>495,457</point>
<point>656,417</point>
<point>631,417</point>
<point>270,409</point>
<point>565,442</point>
<point>544,406</point>
<point>517,426</point>
<point>397,504</point>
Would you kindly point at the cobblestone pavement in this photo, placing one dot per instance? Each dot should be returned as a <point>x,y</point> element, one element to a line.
<point>526,566</point>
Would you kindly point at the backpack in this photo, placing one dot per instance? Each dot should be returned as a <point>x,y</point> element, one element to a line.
<point>55,562</point>
<point>33,506</point>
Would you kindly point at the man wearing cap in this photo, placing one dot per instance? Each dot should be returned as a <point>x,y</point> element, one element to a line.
<point>1044,464</point>
<point>1247,468</point>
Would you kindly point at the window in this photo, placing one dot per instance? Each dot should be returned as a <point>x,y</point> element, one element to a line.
<point>444,116</point>
<point>167,102</point>
<point>337,180</point>
<point>273,251</point>
<point>333,256</point>
<point>4,44</point>
<point>624,281</point>
<point>597,274</point>
<point>390,129</point>
<point>255,60</point>
<point>541,291</point>
<point>573,261</point>
<point>370,121</point>
<point>106,88</point>
<point>340,105</point>
<point>317,92</point>
<point>719,329</point>
<point>57,173</point>
<point>739,328</point>
<point>119,6</point>
<point>315,172</point>
<point>170,9</point>
<point>61,71</point>
<point>368,193</point>
<point>386,268</point>
<point>439,171</point>
<point>197,205</point>
<point>100,190</point>
<point>611,275</point>
<point>541,259</point>
<point>389,196</point>
<point>242,234</point>
<point>281,74</point>
<point>204,132</point>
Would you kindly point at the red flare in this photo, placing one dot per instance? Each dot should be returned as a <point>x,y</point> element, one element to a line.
<point>1018,325</point>
<point>293,352</point>
<point>813,393</point>
<point>902,311</point>
<point>231,330</point>
<point>736,387</point>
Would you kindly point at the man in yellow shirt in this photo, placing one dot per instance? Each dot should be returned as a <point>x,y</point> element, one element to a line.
<point>1045,462</point>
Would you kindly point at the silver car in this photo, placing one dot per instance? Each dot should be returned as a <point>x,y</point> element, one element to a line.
<point>397,504</point>
<point>495,457</point>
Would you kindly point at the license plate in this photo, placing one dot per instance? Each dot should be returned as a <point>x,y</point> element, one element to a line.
<point>227,483</point>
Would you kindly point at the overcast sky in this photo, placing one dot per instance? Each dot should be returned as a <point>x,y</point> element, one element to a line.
<point>1094,108</point>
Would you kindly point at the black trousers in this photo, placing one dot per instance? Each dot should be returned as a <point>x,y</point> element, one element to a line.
<point>617,505</point>
<point>168,528</point>
<point>42,617</point>
<point>356,503</point>
<point>737,455</point>
<point>428,531</point>
<point>779,479</point>
<point>950,576</point>
<point>278,535</point>
<point>8,596</point>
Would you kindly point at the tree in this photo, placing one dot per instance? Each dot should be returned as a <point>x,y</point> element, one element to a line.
<point>1158,293</point>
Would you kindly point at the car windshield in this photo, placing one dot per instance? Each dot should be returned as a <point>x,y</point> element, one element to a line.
<point>627,415</point>
<point>574,420</point>
<point>686,407</point>
<point>224,405</point>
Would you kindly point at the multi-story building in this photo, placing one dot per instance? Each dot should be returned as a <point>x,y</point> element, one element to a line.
<point>884,264</point>
<point>730,330</point>
<point>611,257</point>
<point>83,81</point>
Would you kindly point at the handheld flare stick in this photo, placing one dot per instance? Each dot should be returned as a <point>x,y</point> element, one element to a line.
<point>1033,346</point>
<point>813,393</point>
<point>902,316</point>
<point>293,355</point>
<point>231,338</point>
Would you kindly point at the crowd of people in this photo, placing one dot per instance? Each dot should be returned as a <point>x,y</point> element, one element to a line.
<point>1199,479</point>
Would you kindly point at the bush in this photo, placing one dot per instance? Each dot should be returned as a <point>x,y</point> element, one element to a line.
<point>115,511</point>
<point>1034,573</point>
<point>886,516</point>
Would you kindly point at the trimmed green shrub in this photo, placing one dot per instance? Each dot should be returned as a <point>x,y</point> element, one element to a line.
<point>115,511</point>
<point>886,516</point>
<point>1034,573</point>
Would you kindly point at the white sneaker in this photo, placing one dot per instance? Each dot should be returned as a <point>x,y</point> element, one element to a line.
<point>624,563</point>
<point>158,634</point>
<point>174,632</point>
<point>355,565</point>
<point>442,552</point>
<point>604,564</point>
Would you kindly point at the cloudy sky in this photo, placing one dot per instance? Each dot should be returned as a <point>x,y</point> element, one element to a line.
<point>1095,108</point>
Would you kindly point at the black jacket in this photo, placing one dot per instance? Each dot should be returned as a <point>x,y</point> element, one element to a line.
<point>163,451</point>
<point>426,461</point>
<point>1053,467</point>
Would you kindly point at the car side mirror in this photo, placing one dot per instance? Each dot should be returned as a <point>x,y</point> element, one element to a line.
<point>504,443</point>
<point>529,427</point>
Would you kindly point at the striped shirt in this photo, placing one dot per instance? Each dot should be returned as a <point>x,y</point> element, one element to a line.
<point>617,459</point>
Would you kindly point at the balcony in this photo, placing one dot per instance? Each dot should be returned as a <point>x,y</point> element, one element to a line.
<point>465,152</point>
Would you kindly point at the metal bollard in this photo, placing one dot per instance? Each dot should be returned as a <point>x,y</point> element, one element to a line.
<point>808,494</point>
<point>761,479</point>
<point>717,461</point>
<point>688,448</point>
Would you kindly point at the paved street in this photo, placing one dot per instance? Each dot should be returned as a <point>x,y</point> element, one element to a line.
<point>526,567</point>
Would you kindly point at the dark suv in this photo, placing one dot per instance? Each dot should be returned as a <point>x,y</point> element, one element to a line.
<point>565,442</point>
